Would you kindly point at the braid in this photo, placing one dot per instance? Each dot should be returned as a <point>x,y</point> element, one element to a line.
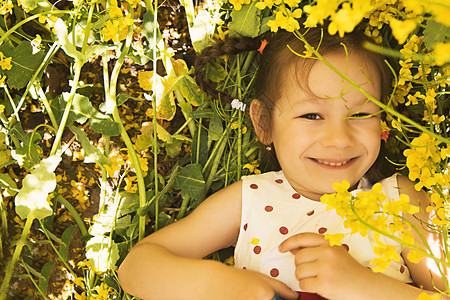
<point>225,47</point>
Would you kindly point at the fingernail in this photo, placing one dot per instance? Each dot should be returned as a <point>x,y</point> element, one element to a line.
<point>276,297</point>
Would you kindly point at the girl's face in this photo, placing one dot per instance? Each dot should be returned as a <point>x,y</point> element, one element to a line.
<point>316,141</point>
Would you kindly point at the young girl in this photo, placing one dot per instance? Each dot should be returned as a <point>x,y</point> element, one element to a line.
<point>322,131</point>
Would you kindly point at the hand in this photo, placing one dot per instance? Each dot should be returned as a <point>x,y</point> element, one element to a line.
<point>245,284</point>
<point>329,271</point>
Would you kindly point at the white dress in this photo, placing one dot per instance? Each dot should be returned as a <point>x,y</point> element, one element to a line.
<point>272,211</point>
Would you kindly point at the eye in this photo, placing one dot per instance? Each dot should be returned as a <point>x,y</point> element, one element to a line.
<point>361,116</point>
<point>311,116</point>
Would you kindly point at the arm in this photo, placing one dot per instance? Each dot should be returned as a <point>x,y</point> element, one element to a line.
<point>423,273</point>
<point>168,264</point>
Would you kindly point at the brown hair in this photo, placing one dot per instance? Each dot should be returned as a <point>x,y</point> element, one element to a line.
<point>277,58</point>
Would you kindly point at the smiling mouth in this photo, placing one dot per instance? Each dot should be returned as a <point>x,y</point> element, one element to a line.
<point>333,163</point>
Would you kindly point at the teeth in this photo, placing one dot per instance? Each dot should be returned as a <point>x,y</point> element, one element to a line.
<point>333,164</point>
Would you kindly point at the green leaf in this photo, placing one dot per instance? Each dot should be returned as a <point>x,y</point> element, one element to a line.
<point>6,182</point>
<point>62,34</point>
<point>215,72</point>
<point>143,142</point>
<point>215,128</point>
<point>435,33</point>
<point>174,148</point>
<point>32,197</point>
<point>102,253</point>
<point>190,180</point>
<point>66,238</point>
<point>190,90</point>
<point>148,27</point>
<point>24,64</point>
<point>82,110</point>
<point>45,272</point>
<point>27,154</point>
<point>245,21</point>
<point>91,153</point>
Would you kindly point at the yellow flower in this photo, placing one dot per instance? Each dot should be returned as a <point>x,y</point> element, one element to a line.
<point>36,43</point>
<point>285,20</point>
<point>412,99</point>
<point>441,53</point>
<point>255,241</point>
<point>253,167</point>
<point>401,29</point>
<point>334,239</point>
<point>5,62</point>
<point>6,7</point>
<point>414,256</point>
<point>319,12</point>
<point>426,296</point>
<point>345,20</point>
<point>386,254</point>
<point>2,82</point>
<point>238,3</point>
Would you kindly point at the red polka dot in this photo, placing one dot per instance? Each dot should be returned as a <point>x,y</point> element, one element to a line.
<point>322,230</point>
<point>274,272</point>
<point>245,227</point>
<point>280,181</point>
<point>257,249</point>
<point>268,208</point>
<point>346,247</point>
<point>296,196</point>
<point>310,213</point>
<point>402,269</point>
<point>244,268</point>
<point>283,230</point>
<point>253,186</point>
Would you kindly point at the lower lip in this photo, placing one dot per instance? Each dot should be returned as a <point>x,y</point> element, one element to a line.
<point>330,167</point>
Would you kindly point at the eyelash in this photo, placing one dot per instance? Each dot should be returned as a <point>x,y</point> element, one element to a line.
<point>311,116</point>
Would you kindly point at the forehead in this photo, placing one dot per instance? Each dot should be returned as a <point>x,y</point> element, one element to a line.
<point>318,81</point>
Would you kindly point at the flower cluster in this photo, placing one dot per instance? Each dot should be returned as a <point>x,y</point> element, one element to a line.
<point>6,7</point>
<point>372,210</point>
<point>116,28</point>
<point>423,162</point>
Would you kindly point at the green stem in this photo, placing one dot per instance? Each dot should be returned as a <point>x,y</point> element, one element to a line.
<point>217,146</point>
<point>189,120</point>
<point>25,266</point>
<point>65,117</point>
<point>47,106</point>
<point>56,250</point>
<point>104,177</point>
<point>183,207</point>
<point>111,98</point>
<point>155,107</point>
<point>216,163</point>
<point>74,214</point>
<point>15,257</point>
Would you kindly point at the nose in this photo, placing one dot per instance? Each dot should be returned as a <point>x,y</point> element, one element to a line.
<point>338,134</point>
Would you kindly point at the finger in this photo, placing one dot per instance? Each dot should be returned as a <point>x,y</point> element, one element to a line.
<point>308,285</point>
<point>302,240</point>
<point>280,288</point>
<point>307,255</point>
<point>306,270</point>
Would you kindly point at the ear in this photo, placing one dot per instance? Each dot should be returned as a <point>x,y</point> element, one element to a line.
<point>260,119</point>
